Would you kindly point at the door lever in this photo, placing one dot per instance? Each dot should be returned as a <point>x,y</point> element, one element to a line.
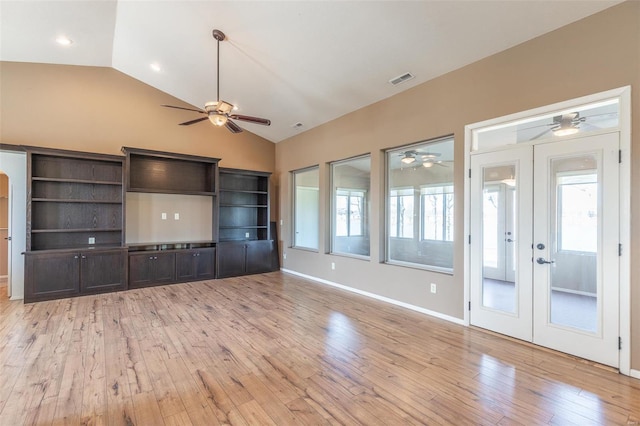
<point>542,261</point>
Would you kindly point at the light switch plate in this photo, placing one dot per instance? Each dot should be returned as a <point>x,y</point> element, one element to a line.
<point>176,216</point>
<point>163,216</point>
<point>92,240</point>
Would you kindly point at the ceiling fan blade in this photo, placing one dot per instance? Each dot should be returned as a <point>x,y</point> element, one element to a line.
<point>541,134</point>
<point>186,109</point>
<point>197,120</point>
<point>248,118</point>
<point>233,127</point>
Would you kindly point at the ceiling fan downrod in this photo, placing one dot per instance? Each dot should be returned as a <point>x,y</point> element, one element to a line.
<point>219,36</point>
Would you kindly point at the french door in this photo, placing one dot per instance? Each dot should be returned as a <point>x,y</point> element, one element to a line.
<point>544,244</point>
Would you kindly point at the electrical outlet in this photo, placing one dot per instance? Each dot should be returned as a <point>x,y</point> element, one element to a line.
<point>92,240</point>
<point>284,255</point>
<point>281,222</point>
<point>176,216</point>
<point>163,216</point>
<point>333,265</point>
<point>246,235</point>
<point>433,288</point>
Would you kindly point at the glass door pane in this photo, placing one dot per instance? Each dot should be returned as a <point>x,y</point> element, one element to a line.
<point>574,242</point>
<point>498,238</point>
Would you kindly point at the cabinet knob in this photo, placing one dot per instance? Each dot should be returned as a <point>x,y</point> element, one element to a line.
<point>75,257</point>
<point>84,257</point>
<point>150,257</point>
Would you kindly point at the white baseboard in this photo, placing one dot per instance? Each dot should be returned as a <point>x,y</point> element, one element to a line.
<point>378,297</point>
<point>634,373</point>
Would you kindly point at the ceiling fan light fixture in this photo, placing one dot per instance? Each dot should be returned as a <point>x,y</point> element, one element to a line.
<point>408,159</point>
<point>427,164</point>
<point>566,131</point>
<point>217,119</point>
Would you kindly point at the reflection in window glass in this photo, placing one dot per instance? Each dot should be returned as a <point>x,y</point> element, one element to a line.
<point>306,208</point>
<point>420,204</point>
<point>578,213</point>
<point>350,229</point>
<point>437,208</point>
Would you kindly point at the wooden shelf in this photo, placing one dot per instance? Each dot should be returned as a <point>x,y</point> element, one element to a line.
<point>46,231</point>
<point>88,181</point>
<point>72,200</point>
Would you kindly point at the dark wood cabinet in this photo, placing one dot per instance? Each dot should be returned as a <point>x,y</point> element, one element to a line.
<point>242,258</point>
<point>151,268</point>
<point>170,173</point>
<point>75,224</point>
<point>196,264</point>
<point>75,200</point>
<point>53,275</point>
<point>244,205</point>
<point>103,270</point>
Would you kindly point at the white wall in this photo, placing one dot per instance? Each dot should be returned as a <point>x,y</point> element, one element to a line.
<point>14,165</point>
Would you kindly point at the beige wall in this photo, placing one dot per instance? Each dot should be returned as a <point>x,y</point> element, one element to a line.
<point>599,53</point>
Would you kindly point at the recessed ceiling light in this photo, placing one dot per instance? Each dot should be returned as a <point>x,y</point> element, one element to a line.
<point>155,66</point>
<point>64,41</point>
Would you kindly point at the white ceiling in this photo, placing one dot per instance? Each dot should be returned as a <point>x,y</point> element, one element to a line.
<point>289,61</point>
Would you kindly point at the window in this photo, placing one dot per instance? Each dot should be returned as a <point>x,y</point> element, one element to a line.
<point>306,184</point>
<point>436,213</point>
<point>420,205</point>
<point>401,213</point>
<point>350,181</point>
<point>578,212</point>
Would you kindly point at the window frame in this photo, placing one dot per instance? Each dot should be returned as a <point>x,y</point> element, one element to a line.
<point>365,219</point>
<point>294,204</point>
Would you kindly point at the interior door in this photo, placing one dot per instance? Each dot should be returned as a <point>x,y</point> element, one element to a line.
<point>501,237</point>
<point>575,274</point>
<point>565,291</point>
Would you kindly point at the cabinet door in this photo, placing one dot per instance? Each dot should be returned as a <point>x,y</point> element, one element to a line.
<point>231,259</point>
<point>164,268</point>
<point>258,256</point>
<point>103,270</point>
<point>185,265</point>
<point>51,276</point>
<point>140,267</point>
<point>206,263</point>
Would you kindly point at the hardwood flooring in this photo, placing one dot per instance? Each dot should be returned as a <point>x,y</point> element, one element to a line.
<point>276,349</point>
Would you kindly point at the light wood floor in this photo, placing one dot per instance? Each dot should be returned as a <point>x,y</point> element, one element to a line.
<point>276,349</point>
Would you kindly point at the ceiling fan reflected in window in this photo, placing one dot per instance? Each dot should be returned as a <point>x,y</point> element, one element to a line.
<point>426,159</point>
<point>219,112</point>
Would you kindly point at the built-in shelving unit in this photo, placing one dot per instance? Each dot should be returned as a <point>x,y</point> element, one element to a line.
<point>244,205</point>
<point>245,244</point>
<point>75,220</point>
<point>165,262</point>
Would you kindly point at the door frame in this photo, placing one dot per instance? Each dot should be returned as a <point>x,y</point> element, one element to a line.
<point>623,94</point>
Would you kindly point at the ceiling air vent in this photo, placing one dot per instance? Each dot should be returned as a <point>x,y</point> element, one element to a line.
<point>401,78</point>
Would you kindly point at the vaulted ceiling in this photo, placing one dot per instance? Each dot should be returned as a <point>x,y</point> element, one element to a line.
<point>305,62</point>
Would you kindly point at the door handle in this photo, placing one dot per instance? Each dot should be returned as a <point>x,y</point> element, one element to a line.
<point>7,238</point>
<point>543,261</point>
<point>509,240</point>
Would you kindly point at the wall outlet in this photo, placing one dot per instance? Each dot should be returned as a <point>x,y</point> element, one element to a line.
<point>176,216</point>
<point>92,240</point>
<point>281,222</point>
<point>433,288</point>
<point>246,235</point>
<point>163,216</point>
<point>284,255</point>
<point>333,265</point>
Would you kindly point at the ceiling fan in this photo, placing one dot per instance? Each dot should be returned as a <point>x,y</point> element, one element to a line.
<point>563,125</point>
<point>426,159</point>
<point>219,112</point>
